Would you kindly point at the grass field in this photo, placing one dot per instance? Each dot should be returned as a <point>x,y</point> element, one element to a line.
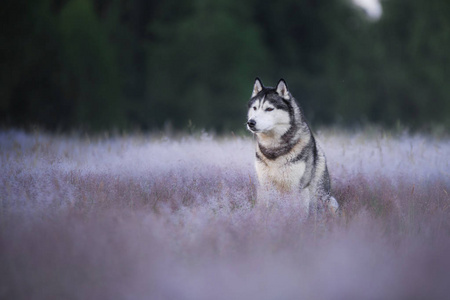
<point>148,217</point>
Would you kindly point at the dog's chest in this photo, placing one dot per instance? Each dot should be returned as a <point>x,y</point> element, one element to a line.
<point>282,175</point>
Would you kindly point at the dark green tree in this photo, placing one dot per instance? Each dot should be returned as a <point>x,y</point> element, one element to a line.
<point>102,64</point>
<point>321,47</point>
<point>29,60</point>
<point>415,38</point>
<point>202,63</point>
<point>90,74</point>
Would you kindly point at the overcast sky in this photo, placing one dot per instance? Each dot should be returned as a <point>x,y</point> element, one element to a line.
<point>372,7</point>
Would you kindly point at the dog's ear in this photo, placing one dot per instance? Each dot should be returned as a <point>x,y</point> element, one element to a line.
<point>257,87</point>
<point>282,89</point>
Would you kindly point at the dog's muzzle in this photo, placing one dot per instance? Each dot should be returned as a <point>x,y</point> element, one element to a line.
<point>251,124</point>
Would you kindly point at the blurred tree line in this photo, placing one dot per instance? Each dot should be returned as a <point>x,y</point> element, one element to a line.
<point>141,64</point>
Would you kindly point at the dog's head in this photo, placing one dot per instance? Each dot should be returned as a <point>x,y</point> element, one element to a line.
<point>270,109</point>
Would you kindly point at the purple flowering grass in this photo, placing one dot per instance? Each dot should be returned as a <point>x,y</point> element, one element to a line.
<point>146,217</point>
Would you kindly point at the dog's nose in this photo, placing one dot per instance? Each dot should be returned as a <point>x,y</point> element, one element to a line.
<point>251,123</point>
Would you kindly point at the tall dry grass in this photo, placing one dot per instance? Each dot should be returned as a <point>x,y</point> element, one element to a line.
<point>144,217</point>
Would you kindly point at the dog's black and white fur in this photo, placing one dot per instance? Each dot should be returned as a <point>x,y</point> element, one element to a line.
<point>288,158</point>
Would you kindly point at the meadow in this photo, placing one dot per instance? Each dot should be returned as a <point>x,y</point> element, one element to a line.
<point>154,217</point>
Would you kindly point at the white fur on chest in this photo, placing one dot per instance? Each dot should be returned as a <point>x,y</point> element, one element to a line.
<point>278,174</point>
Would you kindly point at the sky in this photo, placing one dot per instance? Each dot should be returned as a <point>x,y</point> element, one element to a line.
<point>372,7</point>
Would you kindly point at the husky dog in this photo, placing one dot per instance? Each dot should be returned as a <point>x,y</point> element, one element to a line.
<point>288,158</point>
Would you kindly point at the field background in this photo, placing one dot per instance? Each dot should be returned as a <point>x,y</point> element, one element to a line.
<point>152,217</point>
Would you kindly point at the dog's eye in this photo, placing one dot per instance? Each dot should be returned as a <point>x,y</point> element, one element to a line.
<point>269,109</point>
<point>254,107</point>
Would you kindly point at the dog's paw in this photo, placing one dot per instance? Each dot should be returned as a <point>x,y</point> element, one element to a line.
<point>333,205</point>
